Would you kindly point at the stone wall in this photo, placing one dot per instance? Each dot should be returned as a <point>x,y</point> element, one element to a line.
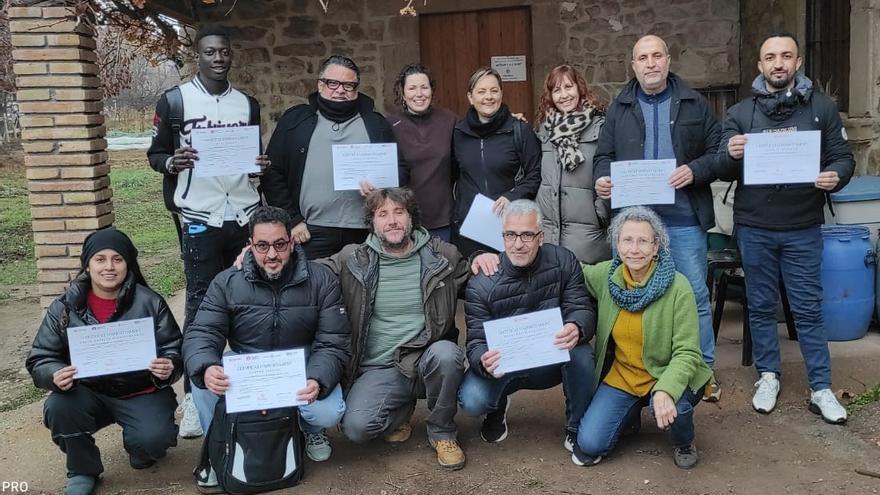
<point>63,138</point>
<point>280,43</point>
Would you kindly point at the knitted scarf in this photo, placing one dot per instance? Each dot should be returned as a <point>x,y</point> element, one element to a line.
<point>639,298</point>
<point>563,131</point>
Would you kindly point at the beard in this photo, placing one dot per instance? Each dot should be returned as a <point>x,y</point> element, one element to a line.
<point>271,276</point>
<point>781,83</point>
<point>394,246</point>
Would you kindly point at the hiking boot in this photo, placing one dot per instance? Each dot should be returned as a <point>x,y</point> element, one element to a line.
<point>712,392</point>
<point>571,438</point>
<point>449,453</point>
<point>685,457</point>
<point>81,484</point>
<point>206,481</point>
<point>767,390</point>
<point>189,420</point>
<point>580,458</point>
<point>494,427</point>
<point>137,463</point>
<point>400,435</point>
<point>318,446</point>
<point>824,403</point>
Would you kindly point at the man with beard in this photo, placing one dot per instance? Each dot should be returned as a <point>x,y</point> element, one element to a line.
<point>301,147</point>
<point>211,213</point>
<point>278,300</point>
<point>778,225</point>
<point>401,289</point>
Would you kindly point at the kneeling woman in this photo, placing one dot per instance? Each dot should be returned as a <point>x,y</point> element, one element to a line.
<point>647,342</point>
<point>109,288</point>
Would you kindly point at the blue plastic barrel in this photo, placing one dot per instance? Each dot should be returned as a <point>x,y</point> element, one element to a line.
<point>847,281</point>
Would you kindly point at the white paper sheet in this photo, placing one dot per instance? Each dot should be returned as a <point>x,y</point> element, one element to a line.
<point>782,157</point>
<point>482,225</point>
<point>264,380</point>
<point>226,150</point>
<point>375,163</point>
<point>642,182</point>
<point>115,347</point>
<point>526,341</point>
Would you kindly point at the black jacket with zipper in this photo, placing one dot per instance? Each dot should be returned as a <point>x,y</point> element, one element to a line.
<point>304,309</point>
<point>50,351</point>
<point>695,135</point>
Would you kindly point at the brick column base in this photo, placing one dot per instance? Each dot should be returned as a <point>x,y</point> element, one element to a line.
<point>63,138</point>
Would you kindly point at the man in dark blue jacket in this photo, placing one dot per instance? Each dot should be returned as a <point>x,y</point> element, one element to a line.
<point>658,116</point>
<point>778,225</point>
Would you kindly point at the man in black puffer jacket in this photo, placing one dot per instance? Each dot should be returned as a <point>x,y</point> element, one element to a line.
<point>278,300</point>
<point>532,276</point>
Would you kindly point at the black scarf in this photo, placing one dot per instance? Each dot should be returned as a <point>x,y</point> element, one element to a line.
<point>484,129</point>
<point>337,111</point>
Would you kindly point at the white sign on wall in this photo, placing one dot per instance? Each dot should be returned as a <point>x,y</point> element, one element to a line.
<point>511,67</point>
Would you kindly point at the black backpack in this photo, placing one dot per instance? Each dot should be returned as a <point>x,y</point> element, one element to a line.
<point>254,451</point>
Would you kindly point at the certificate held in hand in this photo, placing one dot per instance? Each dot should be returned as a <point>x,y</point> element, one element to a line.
<point>264,380</point>
<point>782,157</point>
<point>642,182</point>
<point>226,150</point>
<point>374,163</point>
<point>526,341</point>
<point>110,348</point>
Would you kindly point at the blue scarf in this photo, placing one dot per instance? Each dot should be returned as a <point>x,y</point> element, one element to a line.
<point>639,298</point>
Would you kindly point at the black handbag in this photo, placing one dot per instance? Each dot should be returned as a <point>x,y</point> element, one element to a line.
<point>254,451</point>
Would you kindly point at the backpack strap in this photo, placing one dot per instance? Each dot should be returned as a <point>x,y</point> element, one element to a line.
<point>175,113</point>
<point>519,145</point>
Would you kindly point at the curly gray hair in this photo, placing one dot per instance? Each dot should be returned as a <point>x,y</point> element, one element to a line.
<point>522,207</point>
<point>639,214</point>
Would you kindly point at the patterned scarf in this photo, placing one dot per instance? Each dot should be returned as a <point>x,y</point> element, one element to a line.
<point>639,298</point>
<point>563,130</point>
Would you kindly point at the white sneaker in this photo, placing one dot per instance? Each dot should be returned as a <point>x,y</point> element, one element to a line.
<point>824,403</point>
<point>767,390</point>
<point>207,482</point>
<point>189,422</point>
<point>318,446</point>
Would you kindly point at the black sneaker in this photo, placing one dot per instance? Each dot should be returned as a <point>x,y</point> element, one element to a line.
<point>685,457</point>
<point>579,458</point>
<point>494,427</point>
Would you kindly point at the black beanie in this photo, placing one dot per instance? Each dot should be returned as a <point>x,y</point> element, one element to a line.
<point>110,238</point>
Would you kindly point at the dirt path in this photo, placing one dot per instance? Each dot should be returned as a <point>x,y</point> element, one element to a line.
<point>789,451</point>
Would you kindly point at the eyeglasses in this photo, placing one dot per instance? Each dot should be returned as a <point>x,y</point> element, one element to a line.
<point>524,236</point>
<point>262,247</point>
<point>640,243</point>
<point>334,84</point>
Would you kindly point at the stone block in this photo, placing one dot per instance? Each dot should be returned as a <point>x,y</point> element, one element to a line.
<point>37,54</point>
<point>65,159</point>
<point>80,119</point>
<point>37,120</point>
<point>82,197</point>
<point>301,27</point>
<point>48,199</point>
<point>78,211</point>
<point>47,289</point>
<point>403,28</point>
<point>73,68</point>
<point>90,223</point>
<point>42,173</point>
<point>75,249</point>
<point>99,144</point>
<point>41,94</point>
<point>42,26</point>
<point>307,49</point>
<point>27,68</point>
<point>45,251</point>
<point>54,275</point>
<point>69,185</point>
<point>75,81</point>
<point>329,30</point>
<point>47,225</point>
<point>39,146</point>
<point>25,12</point>
<point>71,40</point>
<point>60,106</point>
<point>76,132</point>
<point>84,172</point>
<point>59,263</point>
<point>58,12</point>
<point>28,40</point>
<point>78,94</point>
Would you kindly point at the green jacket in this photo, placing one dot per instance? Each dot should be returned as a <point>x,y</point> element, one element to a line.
<point>671,349</point>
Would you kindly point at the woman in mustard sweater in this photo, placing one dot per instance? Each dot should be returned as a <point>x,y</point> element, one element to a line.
<point>647,342</point>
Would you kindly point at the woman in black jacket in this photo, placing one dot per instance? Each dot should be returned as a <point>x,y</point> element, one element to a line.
<point>109,288</point>
<point>497,155</point>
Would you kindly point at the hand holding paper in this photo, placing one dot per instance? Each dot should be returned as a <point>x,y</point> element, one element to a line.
<point>642,182</point>
<point>525,341</point>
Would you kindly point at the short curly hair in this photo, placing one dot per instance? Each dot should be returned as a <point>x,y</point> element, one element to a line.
<point>639,214</point>
<point>400,195</point>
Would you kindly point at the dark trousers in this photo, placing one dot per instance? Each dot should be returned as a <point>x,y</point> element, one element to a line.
<point>207,251</point>
<point>147,423</point>
<point>327,241</point>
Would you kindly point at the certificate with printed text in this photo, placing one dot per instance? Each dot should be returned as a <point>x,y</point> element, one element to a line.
<point>264,380</point>
<point>374,163</point>
<point>642,182</point>
<point>782,157</point>
<point>526,341</point>
<point>226,150</point>
<point>110,348</point>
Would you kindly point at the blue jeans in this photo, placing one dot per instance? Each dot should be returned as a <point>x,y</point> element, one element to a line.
<point>479,395</point>
<point>688,246</point>
<point>314,417</point>
<point>797,254</point>
<point>612,410</point>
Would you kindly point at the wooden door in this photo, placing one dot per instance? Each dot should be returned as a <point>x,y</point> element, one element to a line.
<point>454,45</point>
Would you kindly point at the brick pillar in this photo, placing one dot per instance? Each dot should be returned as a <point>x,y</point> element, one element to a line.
<point>63,137</point>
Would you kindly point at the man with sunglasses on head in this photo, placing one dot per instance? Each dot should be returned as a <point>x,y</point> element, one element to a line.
<point>301,148</point>
<point>277,300</point>
<point>532,276</point>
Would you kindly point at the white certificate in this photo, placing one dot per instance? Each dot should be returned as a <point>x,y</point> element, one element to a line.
<point>110,348</point>
<point>781,157</point>
<point>226,150</point>
<point>642,182</point>
<point>375,163</point>
<point>482,224</point>
<point>526,341</point>
<point>264,380</point>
